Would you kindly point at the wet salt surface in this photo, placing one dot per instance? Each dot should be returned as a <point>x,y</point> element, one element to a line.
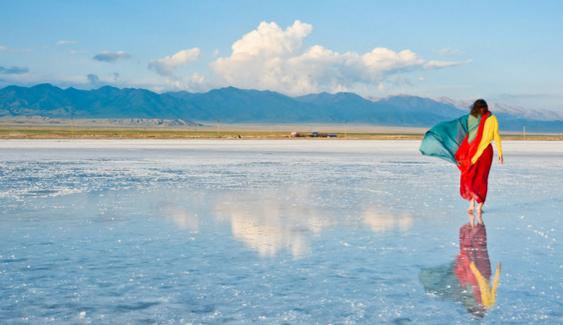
<point>269,232</point>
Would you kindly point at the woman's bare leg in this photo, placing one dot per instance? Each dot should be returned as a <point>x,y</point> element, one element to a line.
<point>470,209</point>
<point>480,213</point>
<point>471,218</point>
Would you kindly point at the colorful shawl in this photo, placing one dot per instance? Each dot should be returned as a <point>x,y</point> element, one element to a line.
<point>449,141</point>
<point>444,139</point>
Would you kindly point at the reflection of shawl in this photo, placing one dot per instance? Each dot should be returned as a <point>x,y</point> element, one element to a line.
<point>473,267</point>
<point>467,279</point>
<point>488,294</point>
<point>441,281</point>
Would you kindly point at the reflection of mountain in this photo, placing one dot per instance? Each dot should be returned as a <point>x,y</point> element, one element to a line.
<point>466,279</point>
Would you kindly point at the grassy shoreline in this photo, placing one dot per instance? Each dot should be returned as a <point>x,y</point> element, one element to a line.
<point>153,133</point>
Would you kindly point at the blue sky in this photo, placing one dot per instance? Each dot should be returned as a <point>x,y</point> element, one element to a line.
<point>509,51</point>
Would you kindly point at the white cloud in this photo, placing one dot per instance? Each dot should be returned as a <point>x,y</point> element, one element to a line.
<point>75,52</point>
<point>449,52</point>
<point>65,42</point>
<point>193,82</point>
<point>270,57</point>
<point>7,49</point>
<point>438,64</point>
<point>165,66</point>
<point>13,70</point>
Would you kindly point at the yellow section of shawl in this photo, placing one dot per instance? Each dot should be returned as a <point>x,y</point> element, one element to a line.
<point>490,133</point>
<point>488,294</point>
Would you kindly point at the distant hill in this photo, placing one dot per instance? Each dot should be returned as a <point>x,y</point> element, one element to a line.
<point>105,102</point>
<point>233,105</point>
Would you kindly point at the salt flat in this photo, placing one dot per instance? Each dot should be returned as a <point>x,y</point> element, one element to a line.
<point>269,231</point>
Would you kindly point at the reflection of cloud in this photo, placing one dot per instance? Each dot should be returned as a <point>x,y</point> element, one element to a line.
<point>267,239</point>
<point>182,218</point>
<point>271,222</point>
<point>380,221</point>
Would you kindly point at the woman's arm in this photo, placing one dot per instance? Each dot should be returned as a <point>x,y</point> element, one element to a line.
<point>498,142</point>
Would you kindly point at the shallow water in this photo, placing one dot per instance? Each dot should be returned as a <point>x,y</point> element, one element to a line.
<point>295,232</point>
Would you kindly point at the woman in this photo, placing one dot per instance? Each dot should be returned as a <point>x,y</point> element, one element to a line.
<point>467,142</point>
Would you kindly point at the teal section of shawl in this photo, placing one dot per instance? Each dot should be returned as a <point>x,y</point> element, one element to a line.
<point>472,126</point>
<point>444,139</point>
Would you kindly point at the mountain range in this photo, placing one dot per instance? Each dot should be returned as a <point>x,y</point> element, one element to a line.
<point>234,105</point>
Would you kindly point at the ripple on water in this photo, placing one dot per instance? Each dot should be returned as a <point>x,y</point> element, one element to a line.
<point>141,305</point>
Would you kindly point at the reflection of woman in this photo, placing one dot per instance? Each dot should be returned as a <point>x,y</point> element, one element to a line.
<point>467,142</point>
<point>473,267</point>
<point>467,278</point>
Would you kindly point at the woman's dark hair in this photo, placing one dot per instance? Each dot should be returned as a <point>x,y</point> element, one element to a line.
<point>479,107</point>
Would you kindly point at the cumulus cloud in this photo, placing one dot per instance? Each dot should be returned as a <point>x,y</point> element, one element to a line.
<point>167,65</point>
<point>194,82</point>
<point>111,57</point>
<point>270,57</point>
<point>13,70</point>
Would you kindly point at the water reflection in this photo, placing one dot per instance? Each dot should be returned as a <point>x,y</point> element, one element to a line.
<point>181,217</point>
<point>272,221</point>
<point>381,221</point>
<point>467,278</point>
